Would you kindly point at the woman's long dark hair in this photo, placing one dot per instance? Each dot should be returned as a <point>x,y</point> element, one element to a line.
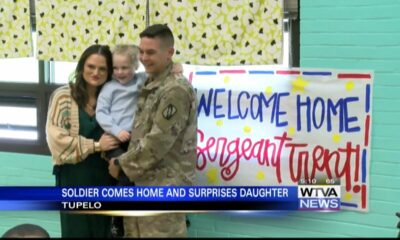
<point>78,87</point>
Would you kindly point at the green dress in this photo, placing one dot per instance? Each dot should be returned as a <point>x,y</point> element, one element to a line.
<point>93,171</point>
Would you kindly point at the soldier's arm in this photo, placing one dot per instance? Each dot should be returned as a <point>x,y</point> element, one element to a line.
<point>170,119</point>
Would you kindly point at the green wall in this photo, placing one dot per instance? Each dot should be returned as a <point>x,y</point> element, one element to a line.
<point>364,34</point>
<point>346,34</point>
<point>27,170</point>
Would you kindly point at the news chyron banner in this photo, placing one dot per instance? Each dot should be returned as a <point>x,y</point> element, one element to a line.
<point>260,126</point>
<point>311,196</point>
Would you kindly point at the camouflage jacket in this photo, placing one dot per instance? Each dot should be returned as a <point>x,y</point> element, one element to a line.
<point>162,150</point>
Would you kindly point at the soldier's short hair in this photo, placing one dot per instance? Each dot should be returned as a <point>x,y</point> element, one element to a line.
<point>161,31</point>
<point>25,231</point>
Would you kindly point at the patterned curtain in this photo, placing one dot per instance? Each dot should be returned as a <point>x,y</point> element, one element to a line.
<point>221,32</point>
<point>15,29</point>
<point>66,28</point>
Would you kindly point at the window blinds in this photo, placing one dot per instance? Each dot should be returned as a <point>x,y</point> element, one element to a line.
<point>15,29</point>
<point>66,28</point>
<point>218,32</point>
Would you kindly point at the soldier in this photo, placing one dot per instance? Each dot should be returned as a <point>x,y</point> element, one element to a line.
<point>162,150</point>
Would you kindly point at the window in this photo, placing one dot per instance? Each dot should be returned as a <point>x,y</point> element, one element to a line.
<point>19,122</point>
<point>18,110</point>
<point>23,102</point>
<point>62,71</point>
<point>27,70</point>
<point>20,94</point>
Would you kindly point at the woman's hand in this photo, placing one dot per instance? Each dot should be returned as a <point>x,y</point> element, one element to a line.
<point>108,142</point>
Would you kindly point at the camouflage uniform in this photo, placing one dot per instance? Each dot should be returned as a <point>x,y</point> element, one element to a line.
<point>162,150</point>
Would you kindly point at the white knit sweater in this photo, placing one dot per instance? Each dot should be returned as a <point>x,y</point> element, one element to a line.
<point>62,129</point>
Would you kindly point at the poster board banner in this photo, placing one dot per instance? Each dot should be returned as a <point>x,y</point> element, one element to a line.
<point>262,126</point>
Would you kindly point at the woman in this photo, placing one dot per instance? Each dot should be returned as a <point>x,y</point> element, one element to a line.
<point>75,139</point>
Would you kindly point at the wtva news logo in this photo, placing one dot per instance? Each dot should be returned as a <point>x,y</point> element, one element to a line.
<point>319,197</point>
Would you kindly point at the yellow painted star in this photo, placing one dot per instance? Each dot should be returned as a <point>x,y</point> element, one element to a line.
<point>347,196</point>
<point>291,131</point>
<point>349,86</point>
<point>260,175</point>
<point>212,175</point>
<point>268,90</point>
<point>247,129</point>
<point>227,79</point>
<point>336,138</point>
<point>299,84</point>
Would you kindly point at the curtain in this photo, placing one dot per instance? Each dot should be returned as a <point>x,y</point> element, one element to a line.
<point>15,29</point>
<point>220,32</point>
<point>66,28</point>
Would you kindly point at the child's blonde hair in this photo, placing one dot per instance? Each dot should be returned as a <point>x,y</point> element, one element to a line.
<point>130,50</point>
